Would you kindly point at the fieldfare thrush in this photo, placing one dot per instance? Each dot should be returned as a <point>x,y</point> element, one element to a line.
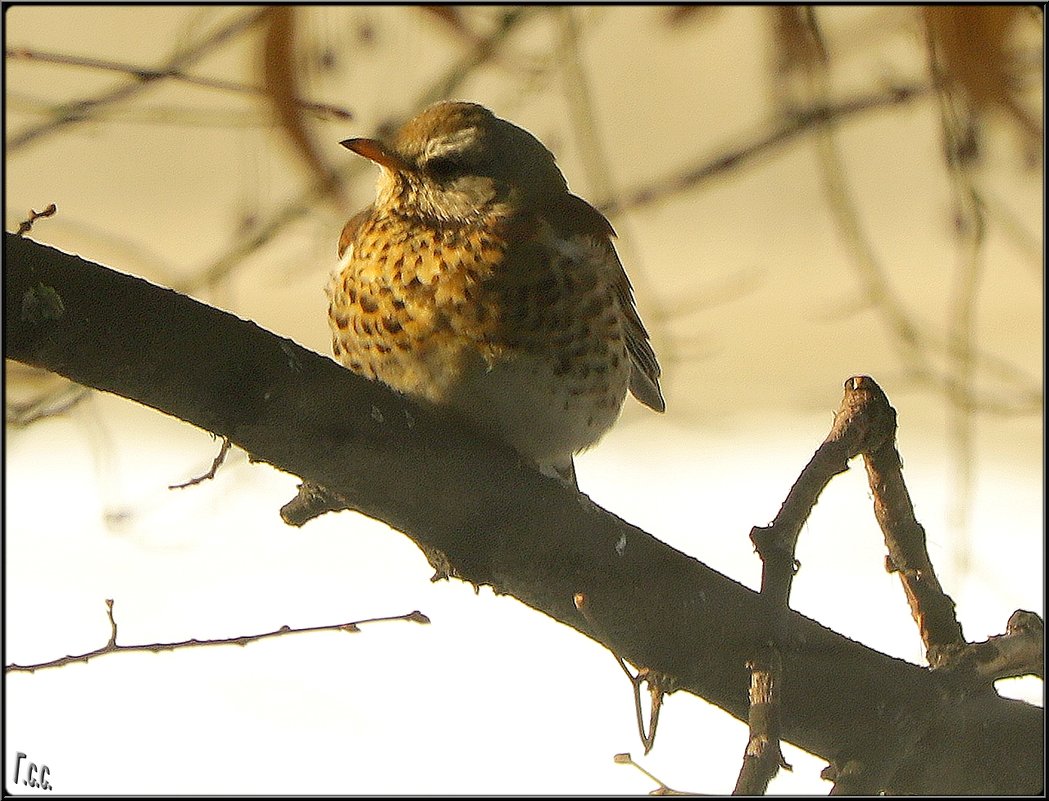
<point>477,281</point>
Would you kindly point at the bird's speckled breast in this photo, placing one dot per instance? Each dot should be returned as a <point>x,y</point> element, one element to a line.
<point>526,340</point>
<point>408,300</point>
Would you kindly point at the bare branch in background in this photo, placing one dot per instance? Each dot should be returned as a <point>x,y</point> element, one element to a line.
<point>912,344</point>
<point>51,403</point>
<point>766,140</point>
<point>904,334</point>
<point>797,54</point>
<point>1026,242</point>
<point>970,227</point>
<point>1022,394</point>
<point>83,110</point>
<point>452,18</point>
<point>322,110</point>
<point>272,226</point>
<point>678,16</point>
<point>161,114</point>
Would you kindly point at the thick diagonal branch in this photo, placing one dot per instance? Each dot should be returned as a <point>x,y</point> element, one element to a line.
<point>495,519</point>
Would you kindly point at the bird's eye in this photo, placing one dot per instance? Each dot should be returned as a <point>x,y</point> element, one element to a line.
<point>443,168</point>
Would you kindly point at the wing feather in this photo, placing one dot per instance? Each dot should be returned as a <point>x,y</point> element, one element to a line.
<point>349,231</point>
<point>579,217</point>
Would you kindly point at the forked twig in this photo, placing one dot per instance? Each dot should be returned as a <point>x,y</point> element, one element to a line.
<point>148,73</point>
<point>863,422</point>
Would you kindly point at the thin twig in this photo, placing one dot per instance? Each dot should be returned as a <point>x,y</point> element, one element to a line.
<point>215,465</point>
<point>857,426</point>
<point>112,624</point>
<point>155,114</point>
<point>663,789</point>
<point>111,647</point>
<point>659,684</point>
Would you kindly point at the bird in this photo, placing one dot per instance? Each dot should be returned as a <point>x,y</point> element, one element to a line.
<point>477,282</point>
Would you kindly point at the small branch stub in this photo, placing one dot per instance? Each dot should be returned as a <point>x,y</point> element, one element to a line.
<point>764,756</point>
<point>1018,652</point>
<point>312,501</point>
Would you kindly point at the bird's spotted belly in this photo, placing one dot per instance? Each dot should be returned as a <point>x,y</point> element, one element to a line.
<point>546,414</point>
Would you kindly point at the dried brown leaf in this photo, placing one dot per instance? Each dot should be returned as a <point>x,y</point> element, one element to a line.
<point>281,85</point>
<point>972,46</point>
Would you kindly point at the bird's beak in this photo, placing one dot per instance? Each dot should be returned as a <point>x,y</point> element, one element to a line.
<point>374,150</point>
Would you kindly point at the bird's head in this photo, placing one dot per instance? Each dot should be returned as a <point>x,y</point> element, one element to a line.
<point>456,160</point>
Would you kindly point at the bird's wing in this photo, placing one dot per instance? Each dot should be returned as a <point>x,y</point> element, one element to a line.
<point>349,231</point>
<point>579,217</point>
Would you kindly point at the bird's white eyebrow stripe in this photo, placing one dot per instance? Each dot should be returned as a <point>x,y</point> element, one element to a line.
<point>454,142</point>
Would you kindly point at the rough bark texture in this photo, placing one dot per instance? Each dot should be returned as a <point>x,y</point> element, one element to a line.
<point>494,520</point>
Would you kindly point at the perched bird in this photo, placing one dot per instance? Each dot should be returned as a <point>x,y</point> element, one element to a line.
<point>477,281</point>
